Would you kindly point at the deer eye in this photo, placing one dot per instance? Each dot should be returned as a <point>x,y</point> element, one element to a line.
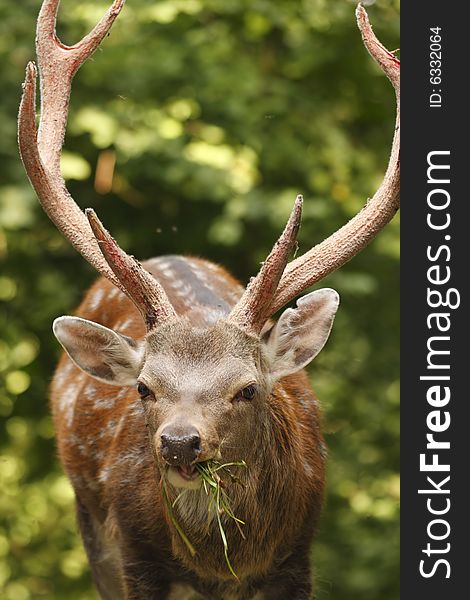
<point>143,390</point>
<point>247,393</point>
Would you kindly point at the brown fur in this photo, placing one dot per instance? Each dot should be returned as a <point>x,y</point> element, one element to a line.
<point>103,441</point>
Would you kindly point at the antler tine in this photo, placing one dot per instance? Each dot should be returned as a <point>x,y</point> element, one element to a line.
<point>254,307</point>
<point>40,150</point>
<point>146,293</point>
<point>58,64</point>
<point>345,243</point>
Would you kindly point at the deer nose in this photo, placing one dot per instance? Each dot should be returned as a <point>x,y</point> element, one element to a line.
<point>180,447</point>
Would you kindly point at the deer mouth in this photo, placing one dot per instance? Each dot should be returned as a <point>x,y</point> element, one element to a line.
<point>184,476</point>
<point>188,472</point>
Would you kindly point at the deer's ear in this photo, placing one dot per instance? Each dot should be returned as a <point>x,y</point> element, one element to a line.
<point>101,352</point>
<point>301,332</point>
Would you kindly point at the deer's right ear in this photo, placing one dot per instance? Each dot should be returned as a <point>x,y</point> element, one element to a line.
<point>100,352</point>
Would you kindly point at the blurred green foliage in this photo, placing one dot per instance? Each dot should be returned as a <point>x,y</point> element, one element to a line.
<point>217,113</point>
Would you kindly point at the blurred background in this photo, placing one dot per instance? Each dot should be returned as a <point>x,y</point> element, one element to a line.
<point>191,131</point>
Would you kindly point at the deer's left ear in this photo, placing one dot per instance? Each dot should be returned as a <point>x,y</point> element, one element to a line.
<point>301,332</point>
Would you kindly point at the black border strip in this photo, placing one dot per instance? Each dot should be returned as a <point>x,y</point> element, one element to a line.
<point>434,120</point>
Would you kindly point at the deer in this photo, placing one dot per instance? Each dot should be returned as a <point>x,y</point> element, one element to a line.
<point>172,364</point>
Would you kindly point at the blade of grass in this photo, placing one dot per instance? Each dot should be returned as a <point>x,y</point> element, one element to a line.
<point>219,502</point>
<point>177,526</point>
<point>225,544</point>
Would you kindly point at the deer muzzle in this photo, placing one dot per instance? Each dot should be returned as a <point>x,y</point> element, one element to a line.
<point>181,443</point>
<point>180,447</point>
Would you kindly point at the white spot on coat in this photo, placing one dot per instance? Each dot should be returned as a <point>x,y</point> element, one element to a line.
<point>308,469</point>
<point>67,398</point>
<point>121,325</point>
<point>63,375</point>
<point>96,299</point>
<point>104,474</point>
<point>104,403</point>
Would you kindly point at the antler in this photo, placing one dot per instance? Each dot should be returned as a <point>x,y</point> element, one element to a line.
<point>40,152</point>
<point>149,298</point>
<point>270,289</point>
<point>345,243</point>
<point>254,307</point>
